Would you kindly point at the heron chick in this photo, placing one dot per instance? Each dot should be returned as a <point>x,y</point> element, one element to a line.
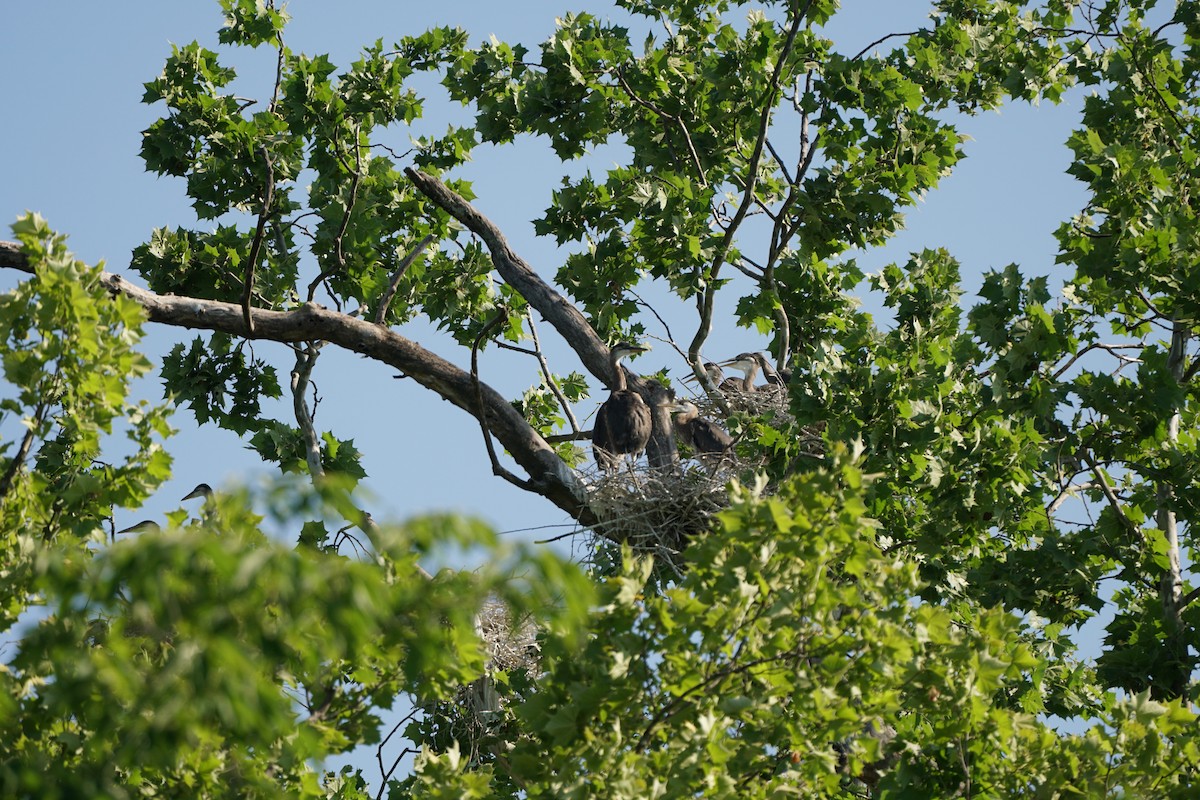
<point>705,437</point>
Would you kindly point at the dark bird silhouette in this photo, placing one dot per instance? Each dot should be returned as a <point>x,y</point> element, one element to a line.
<point>201,490</point>
<point>706,438</point>
<point>623,422</point>
<point>145,526</point>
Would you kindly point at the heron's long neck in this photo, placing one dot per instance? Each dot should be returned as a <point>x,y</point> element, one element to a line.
<point>751,374</point>
<point>619,384</point>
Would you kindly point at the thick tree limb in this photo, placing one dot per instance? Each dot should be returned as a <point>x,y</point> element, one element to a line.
<point>554,308</point>
<point>12,257</point>
<point>306,359</point>
<point>548,475</point>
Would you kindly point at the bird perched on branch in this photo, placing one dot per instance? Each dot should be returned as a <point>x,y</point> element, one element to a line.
<point>623,422</point>
<point>708,440</point>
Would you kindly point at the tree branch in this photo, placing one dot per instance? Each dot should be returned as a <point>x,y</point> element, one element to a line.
<point>256,245</point>
<point>482,414</point>
<point>306,359</point>
<point>764,124</point>
<point>549,475</point>
<point>553,307</point>
<point>381,312</point>
<point>549,376</point>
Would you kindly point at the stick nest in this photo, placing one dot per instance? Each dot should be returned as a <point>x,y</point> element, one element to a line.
<point>477,716</point>
<point>659,511</point>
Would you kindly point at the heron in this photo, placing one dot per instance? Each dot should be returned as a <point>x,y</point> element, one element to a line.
<point>145,526</point>
<point>749,364</point>
<point>623,421</point>
<point>201,490</point>
<point>714,372</point>
<point>705,437</point>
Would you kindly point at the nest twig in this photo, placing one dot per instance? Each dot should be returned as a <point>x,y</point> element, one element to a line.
<point>659,511</point>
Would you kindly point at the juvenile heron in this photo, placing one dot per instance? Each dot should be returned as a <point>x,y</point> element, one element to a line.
<point>201,490</point>
<point>749,364</point>
<point>714,372</point>
<point>705,437</point>
<point>623,421</point>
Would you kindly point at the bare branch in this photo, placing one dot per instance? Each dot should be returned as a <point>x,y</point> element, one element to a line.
<point>306,359</point>
<point>11,257</point>
<point>1112,498</point>
<point>481,410</point>
<point>687,136</point>
<point>256,245</point>
<point>553,307</point>
<point>764,123</point>
<point>779,159</point>
<point>1111,349</point>
<point>549,377</point>
<point>384,303</point>
<point>339,260</point>
<point>880,41</point>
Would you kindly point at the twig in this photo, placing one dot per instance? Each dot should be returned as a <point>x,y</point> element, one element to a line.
<point>764,122</point>
<point>1111,496</point>
<point>256,245</point>
<point>881,40</point>
<point>687,136</point>
<point>1109,348</point>
<point>549,377</point>
<point>481,410</point>
<point>779,159</point>
<point>268,199</point>
<point>339,260</point>
<point>1067,492</point>
<point>394,284</point>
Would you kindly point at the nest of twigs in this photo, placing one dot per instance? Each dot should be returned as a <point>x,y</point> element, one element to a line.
<point>771,404</point>
<point>476,716</point>
<point>509,647</point>
<point>659,511</point>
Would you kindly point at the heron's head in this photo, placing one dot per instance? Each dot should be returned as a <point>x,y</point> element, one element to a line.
<point>743,361</point>
<point>145,526</point>
<point>630,347</point>
<point>201,490</point>
<point>622,349</point>
<point>685,407</point>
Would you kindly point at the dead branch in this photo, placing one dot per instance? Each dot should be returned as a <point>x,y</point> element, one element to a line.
<point>306,359</point>
<point>381,312</point>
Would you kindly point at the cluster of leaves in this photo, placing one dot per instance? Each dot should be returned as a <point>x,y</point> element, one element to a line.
<point>790,660</point>
<point>69,358</point>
